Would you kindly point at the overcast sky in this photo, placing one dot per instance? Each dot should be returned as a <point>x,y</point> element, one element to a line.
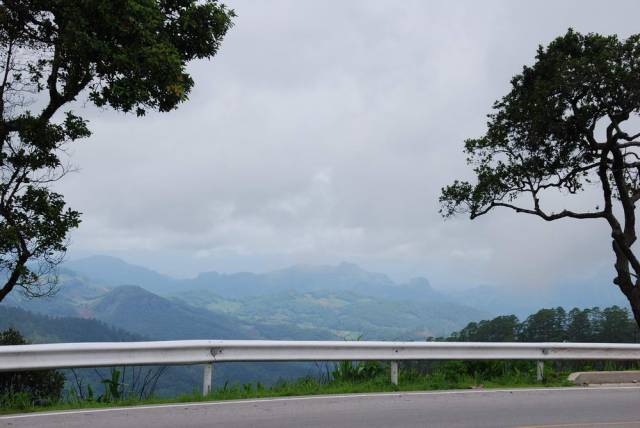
<point>323,132</point>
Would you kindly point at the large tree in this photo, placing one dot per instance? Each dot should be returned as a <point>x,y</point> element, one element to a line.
<point>129,55</point>
<point>568,124</point>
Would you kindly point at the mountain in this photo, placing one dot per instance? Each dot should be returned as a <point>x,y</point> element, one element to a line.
<point>345,313</point>
<point>112,271</point>
<point>49,329</point>
<point>72,291</point>
<point>143,312</point>
<point>139,311</point>
<point>106,271</point>
<point>301,302</point>
<point>303,278</point>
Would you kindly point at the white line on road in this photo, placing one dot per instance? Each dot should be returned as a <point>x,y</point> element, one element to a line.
<point>586,425</point>
<point>312,397</point>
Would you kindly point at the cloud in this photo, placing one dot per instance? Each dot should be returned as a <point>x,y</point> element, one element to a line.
<point>322,132</point>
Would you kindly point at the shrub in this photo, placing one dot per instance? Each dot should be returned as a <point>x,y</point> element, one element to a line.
<point>350,371</point>
<point>21,389</point>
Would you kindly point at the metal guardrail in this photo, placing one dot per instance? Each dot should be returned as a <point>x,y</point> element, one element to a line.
<point>103,354</point>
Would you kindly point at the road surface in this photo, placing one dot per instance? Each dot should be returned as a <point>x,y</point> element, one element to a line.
<point>590,407</point>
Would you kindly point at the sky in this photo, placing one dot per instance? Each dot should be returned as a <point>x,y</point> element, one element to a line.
<point>323,132</point>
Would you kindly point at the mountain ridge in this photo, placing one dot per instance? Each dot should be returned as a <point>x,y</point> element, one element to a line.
<point>345,276</point>
<point>302,277</point>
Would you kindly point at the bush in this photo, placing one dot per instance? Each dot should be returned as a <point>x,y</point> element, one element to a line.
<point>22,389</point>
<point>353,371</point>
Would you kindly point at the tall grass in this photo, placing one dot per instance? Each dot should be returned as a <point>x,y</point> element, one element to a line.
<point>341,378</point>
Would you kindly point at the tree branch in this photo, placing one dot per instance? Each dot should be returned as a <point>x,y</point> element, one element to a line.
<point>539,213</point>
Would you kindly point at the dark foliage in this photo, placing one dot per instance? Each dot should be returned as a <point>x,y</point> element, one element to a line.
<point>48,329</point>
<point>609,325</point>
<point>129,55</point>
<point>34,386</point>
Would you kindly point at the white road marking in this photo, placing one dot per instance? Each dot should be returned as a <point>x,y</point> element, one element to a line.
<point>585,425</point>
<point>312,397</point>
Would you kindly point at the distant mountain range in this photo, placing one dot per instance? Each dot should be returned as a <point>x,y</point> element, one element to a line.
<point>306,301</point>
<point>104,298</point>
<point>111,271</point>
<point>141,312</point>
<point>301,302</point>
<point>348,277</point>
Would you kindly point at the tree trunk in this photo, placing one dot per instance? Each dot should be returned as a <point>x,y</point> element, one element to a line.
<point>13,279</point>
<point>9,285</point>
<point>634,301</point>
<point>625,281</point>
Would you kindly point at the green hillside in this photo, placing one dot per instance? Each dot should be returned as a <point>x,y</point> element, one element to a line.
<point>49,329</point>
<point>38,328</point>
<point>345,314</point>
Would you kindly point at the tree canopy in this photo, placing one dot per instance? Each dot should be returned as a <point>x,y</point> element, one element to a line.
<point>129,55</point>
<point>565,126</point>
<point>608,325</point>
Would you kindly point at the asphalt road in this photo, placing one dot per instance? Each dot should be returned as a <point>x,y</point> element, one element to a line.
<point>591,407</point>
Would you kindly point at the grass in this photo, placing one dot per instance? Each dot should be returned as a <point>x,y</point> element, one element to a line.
<point>347,381</point>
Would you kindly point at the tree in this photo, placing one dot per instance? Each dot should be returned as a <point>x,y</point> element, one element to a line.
<point>546,325</point>
<point>616,327</point>
<point>500,329</point>
<point>580,325</point>
<point>130,55</point>
<point>564,127</point>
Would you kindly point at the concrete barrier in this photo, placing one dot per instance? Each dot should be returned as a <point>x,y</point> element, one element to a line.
<point>585,378</point>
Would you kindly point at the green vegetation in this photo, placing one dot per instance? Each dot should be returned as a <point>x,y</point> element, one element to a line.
<point>28,388</point>
<point>47,329</point>
<point>358,378</point>
<point>341,313</point>
<point>609,325</point>
<point>131,56</point>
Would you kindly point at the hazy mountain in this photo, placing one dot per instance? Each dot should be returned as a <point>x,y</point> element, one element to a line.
<point>40,328</point>
<point>523,301</point>
<point>303,278</point>
<point>112,271</point>
<point>140,311</point>
<point>345,313</point>
<point>72,291</point>
<point>301,302</point>
<point>247,289</point>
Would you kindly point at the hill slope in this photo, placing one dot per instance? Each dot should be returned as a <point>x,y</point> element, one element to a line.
<point>301,302</point>
<point>48,329</point>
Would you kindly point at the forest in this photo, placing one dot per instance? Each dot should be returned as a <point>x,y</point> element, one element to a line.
<point>608,325</point>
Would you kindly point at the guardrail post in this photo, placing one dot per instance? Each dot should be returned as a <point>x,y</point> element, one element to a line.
<point>540,370</point>
<point>394,372</point>
<point>207,378</point>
